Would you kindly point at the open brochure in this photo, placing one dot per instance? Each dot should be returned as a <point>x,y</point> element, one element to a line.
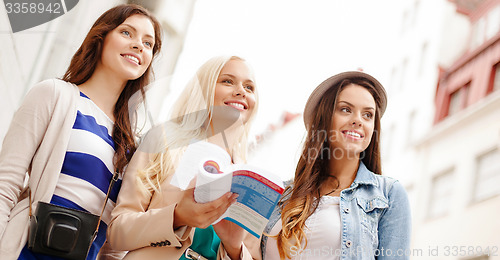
<point>259,190</point>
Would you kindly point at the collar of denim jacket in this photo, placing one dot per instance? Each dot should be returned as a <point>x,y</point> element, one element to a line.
<point>364,176</point>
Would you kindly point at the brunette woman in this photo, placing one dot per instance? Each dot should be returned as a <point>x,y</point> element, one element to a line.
<point>71,134</point>
<point>340,206</point>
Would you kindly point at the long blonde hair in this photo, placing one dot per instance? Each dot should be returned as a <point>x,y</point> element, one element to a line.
<point>189,115</point>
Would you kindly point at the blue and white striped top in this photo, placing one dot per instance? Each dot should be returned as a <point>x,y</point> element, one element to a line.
<point>87,170</point>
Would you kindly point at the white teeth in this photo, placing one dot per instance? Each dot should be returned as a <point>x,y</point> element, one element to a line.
<point>238,105</point>
<point>353,134</point>
<point>132,58</point>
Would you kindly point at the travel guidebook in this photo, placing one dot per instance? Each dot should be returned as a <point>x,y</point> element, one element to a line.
<point>259,190</point>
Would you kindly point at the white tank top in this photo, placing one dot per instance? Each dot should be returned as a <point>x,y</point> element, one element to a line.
<point>322,231</point>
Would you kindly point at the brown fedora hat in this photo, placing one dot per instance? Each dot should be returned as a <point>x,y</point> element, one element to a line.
<point>316,95</point>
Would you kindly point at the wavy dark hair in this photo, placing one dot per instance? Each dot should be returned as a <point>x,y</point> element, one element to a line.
<point>85,61</point>
<point>313,168</point>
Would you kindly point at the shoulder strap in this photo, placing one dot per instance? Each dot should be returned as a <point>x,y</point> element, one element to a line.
<point>111,184</point>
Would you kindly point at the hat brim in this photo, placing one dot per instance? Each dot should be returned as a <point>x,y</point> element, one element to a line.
<point>316,95</point>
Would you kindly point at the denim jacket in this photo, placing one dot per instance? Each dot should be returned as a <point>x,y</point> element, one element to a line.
<point>375,216</point>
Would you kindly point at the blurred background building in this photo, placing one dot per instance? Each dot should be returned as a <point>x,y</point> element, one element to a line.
<point>458,176</point>
<point>45,51</point>
<point>439,63</point>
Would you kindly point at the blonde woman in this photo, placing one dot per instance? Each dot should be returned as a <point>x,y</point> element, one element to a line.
<point>154,219</point>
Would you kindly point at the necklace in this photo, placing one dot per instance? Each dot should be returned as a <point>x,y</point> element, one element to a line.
<point>330,192</point>
<point>335,189</point>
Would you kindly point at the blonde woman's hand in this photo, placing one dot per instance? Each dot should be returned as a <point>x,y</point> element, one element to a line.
<point>231,236</point>
<point>201,215</point>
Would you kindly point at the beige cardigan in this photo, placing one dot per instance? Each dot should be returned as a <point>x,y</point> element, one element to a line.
<point>36,143</point>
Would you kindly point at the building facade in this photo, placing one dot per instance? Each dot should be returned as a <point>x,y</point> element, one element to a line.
<point>459,158</point>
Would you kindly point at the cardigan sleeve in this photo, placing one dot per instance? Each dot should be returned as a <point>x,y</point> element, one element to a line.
<point>134,223</point>
<point>22,140</point>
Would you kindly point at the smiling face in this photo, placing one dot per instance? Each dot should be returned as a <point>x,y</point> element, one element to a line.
<point>353,120</point>
<point>128,49</point>
<point>235,88</point>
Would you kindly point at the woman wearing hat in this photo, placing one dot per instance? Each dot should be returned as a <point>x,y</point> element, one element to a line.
<point>339,205</point>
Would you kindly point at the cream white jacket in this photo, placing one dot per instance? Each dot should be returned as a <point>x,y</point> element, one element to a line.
<point>36,144</point>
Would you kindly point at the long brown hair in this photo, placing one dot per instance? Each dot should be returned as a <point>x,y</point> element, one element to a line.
<point>313,166</point>
<point>85,61</point>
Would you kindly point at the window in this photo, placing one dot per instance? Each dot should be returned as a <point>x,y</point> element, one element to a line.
<point>458,99</point>
<point>423,59</point>
<point>455,102</point>
<point>387,141</point>
<point>415,12</point>
<point>394,79</point>
<point>404,68</point>
<point>493,24</point>
<point>404,24</point>
<point>411,126</point>
<point>495,78</point>
<point>478,34</point>
<point>441,194</point>
<point>487,175</point>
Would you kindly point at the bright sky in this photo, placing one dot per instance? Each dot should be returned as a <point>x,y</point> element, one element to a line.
<point>292,45</point>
